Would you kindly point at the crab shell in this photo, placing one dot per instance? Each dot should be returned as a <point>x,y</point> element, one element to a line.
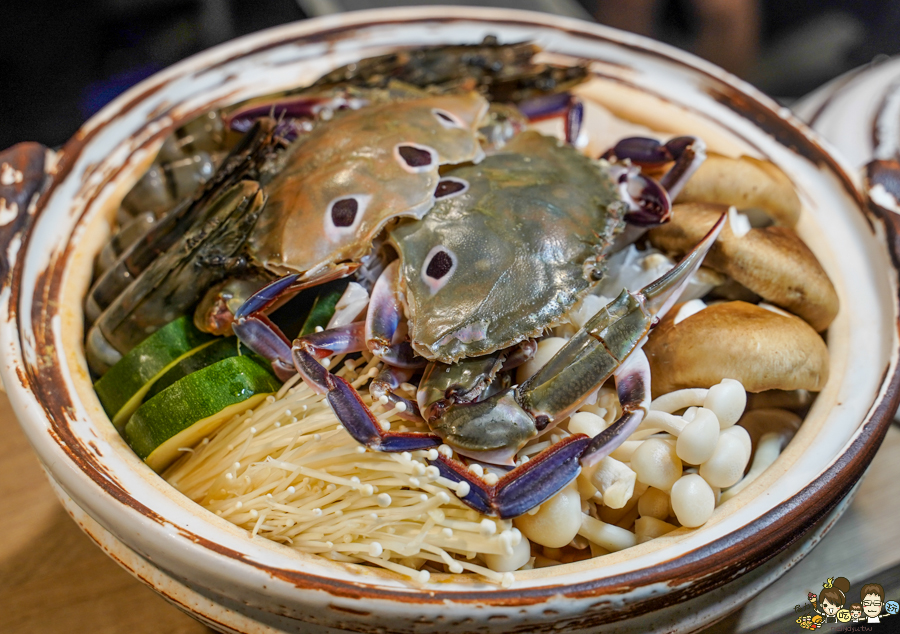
<point>508,254</point>
<point>344,181</point>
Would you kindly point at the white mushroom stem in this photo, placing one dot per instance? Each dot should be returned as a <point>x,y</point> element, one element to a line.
<point>726,399</point>
<point>767,451</point>
<point>647,528</point>
<point>615,481</point>
<point>678,400</point>
<point>586,423</point>
<point>697,437</point>
<point>616,516</point>
<point>607,536</point>
<point>509,561</point>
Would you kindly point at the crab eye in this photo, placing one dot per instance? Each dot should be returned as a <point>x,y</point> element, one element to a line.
<point>343,215</point>
<point>450,186</point>
<point>447,119</point>
<point>440,263</point>
<point>415,158</point>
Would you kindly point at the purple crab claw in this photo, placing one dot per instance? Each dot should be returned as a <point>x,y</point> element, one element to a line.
<point>251,325</point>
<point>648,202</point>
<point>687,152</point>
<point>556,105</point>
<point>520,490</point>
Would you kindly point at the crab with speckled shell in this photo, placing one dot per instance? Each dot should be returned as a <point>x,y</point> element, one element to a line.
<point>506,256</point>
<point>346,180</point>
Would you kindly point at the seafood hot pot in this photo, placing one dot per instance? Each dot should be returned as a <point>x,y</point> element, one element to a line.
<point>215,571</point>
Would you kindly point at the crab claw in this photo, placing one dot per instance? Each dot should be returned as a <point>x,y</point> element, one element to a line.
<point>608,345</point>
<point>648,203</point>
<point>556,105</point>
<point>687,152</point>
<point>661,294</point>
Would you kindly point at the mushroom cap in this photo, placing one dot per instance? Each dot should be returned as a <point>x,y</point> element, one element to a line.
<point>762,349</point>
<point>746,183</point>
<point>773,262</point>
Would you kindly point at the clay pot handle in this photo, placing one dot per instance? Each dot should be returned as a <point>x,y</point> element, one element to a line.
<point>23,176</point>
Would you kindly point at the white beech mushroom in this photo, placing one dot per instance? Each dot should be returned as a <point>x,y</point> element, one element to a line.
<point>557,520</point>
<point>654,503</point>
<point>771,261</point>
<point>647,528</point>
<point>614,480</point>
<point>770,430</point>
<point>693,500</point>
<point>761,349</point>
<point>746,183</point>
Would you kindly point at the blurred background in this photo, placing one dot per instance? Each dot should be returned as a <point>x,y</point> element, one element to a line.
<point>64,60</point>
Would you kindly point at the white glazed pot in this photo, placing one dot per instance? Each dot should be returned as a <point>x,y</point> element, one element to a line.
<point>252,585</point>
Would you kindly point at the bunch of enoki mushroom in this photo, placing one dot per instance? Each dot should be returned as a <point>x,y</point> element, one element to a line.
<point>289,472</point>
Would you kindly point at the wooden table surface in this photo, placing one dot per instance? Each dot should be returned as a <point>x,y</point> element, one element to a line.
<point>54,579</point>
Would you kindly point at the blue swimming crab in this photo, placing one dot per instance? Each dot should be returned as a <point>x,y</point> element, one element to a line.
<point>497,234</point>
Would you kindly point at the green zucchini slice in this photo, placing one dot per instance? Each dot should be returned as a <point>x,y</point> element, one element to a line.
<point>194,406</point>
<point>122,388</point>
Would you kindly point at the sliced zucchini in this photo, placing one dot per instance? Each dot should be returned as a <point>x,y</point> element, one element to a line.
<point>213,353</point>
<point>122,388</point>
<point>192,407</point>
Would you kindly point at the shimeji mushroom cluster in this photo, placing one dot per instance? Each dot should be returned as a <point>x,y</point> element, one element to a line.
<point>289,472</point>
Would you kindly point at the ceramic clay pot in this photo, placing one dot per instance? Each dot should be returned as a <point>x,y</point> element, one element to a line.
<point>57,212</point>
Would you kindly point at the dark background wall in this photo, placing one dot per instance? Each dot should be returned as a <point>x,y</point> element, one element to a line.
<point>61,61</point>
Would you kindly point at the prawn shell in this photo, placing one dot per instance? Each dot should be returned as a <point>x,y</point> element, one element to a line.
<point>520,236</point>
<point>355,155</point>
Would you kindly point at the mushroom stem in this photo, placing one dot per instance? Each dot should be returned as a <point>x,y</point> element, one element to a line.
<point>679,399</point>
<point>664,421</point>
<point>767,451</point>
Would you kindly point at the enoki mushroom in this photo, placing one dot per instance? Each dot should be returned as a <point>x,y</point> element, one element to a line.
<point>289,472</point>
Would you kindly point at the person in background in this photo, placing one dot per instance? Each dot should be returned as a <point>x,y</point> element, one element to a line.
<point>726,31</point>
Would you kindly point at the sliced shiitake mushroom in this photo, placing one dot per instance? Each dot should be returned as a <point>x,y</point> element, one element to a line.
<point>771,261</point>
<point>746,183</point>
<point>762,349</point>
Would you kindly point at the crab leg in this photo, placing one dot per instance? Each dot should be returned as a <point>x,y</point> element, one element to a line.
<point>355,416</point>
<point>608,344</point>
<point>386,324</point>
<point>535,481</point>
<point>257,332</point>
